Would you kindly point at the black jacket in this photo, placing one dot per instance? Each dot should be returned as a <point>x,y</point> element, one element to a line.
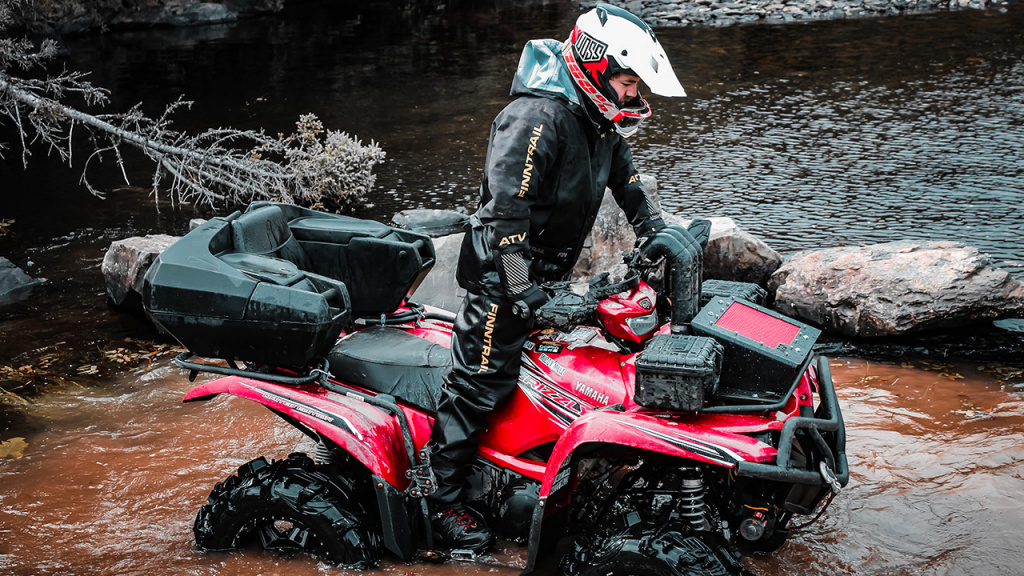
<point>545,174</point>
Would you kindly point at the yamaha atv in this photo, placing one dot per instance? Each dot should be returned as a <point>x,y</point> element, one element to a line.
<point>663,433</point>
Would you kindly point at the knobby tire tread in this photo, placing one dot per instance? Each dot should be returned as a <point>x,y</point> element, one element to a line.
<point>338,527</point>
<point>656,550</point>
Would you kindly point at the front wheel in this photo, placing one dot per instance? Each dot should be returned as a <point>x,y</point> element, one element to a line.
<point>652,550</point>
<point>291,505</point>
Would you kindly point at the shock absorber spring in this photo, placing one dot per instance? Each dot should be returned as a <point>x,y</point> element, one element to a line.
<point>691,499</point>
<point>323,454</point>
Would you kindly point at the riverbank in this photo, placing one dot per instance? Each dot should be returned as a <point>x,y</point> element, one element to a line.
<point>78,16</point>
<point>82,16</point>
<point>730,12</point>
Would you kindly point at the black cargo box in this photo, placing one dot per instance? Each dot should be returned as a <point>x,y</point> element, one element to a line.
<point>748,291</point>
<point>765,352</point>
<point>677,372</point>
<point>279,283</point>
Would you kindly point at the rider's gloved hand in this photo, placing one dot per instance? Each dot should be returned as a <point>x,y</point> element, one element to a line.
<point>643,238</point>
<point>529,301</point>
<point>669,238</point>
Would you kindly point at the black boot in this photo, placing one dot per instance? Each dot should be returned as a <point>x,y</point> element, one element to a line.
<point>458,527</point>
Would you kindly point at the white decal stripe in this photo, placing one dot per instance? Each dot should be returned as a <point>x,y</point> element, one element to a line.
<point>712,452</point>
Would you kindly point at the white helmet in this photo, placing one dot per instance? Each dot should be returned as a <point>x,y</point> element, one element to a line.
<point>608,41</point>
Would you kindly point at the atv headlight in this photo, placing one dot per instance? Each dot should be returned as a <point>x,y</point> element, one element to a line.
<point>641,325</point>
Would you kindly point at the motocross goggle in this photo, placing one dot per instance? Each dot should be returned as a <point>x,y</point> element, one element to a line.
<point>630,116</point>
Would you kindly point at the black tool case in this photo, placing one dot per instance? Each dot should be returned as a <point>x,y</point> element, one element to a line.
<point>765,352</point>
<point>748,291</point>
<point>677,372</point>
<point>278,283</point>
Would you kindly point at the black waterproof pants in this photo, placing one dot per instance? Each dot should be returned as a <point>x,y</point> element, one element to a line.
<point>486,349</point>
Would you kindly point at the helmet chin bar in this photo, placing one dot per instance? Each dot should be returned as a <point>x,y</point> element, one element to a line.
<point>626,120</point>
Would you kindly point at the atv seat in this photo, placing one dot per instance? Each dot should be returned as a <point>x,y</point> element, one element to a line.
<point>392,361</point>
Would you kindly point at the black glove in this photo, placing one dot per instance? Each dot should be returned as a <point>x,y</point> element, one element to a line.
<point>529,301</point>
<point>567,310</point>
<point>668,240</point>
<point>644,237</point>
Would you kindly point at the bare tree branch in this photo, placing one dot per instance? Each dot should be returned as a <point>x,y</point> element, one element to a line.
<point>328,170</point>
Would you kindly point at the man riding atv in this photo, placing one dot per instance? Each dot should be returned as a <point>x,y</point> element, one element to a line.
<point>551,154</point>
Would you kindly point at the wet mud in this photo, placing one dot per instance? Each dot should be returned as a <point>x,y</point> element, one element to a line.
<point>112,477</point>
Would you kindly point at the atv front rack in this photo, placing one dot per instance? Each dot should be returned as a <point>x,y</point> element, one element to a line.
<point>827,419</point>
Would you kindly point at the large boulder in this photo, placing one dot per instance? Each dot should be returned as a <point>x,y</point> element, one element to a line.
<point>125,265</point>
<point>737,255</point>
<point>731,254</point>
<point>895,288</point>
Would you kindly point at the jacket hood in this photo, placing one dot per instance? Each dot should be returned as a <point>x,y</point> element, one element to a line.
<point>542,72</point>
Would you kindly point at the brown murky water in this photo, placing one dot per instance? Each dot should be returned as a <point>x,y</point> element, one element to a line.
<point>112,478</point>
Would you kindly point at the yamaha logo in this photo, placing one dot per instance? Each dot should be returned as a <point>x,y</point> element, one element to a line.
<point>589,48</point>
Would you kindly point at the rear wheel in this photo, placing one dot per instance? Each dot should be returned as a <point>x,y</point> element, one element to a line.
<point>290,505</point>
<point>652,550</point>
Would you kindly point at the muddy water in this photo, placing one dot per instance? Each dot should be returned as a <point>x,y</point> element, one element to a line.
<point>111,481</point>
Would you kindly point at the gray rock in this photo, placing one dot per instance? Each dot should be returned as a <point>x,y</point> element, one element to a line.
<point>15,284</point>
<point>895,288</point>
<point>434,223</point>
<point>439,287</point>
<point>731,254</point>
<point>734,254</point>
<point>611,236</point>
<point>125,265</point>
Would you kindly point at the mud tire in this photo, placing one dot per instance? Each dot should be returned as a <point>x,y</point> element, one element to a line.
<point>290,506</point>
<point>648,550</point>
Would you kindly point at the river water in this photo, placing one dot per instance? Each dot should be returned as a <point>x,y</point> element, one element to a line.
<point>113,477</point>
<point>809,135</point>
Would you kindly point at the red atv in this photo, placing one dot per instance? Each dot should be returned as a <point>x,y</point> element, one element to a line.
<point>662,447</point>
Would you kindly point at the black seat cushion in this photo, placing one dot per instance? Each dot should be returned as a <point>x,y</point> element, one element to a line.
<point>392,361</point>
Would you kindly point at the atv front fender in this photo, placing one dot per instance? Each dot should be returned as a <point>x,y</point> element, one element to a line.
<point>643,432</point>
<point>369,434</point>
<point>650,434</point>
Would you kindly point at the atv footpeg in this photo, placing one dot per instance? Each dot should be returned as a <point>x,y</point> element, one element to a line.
<point>421,480</point>
<point>462,555</point>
